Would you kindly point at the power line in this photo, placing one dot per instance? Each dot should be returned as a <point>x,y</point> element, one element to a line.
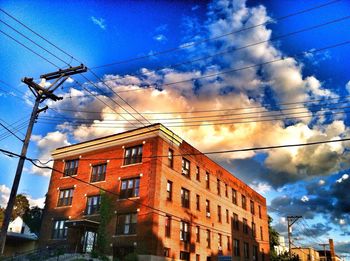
<point>10,131</point>
<point>31,50</point>
<point>235,150</point>
<point>223,117</point>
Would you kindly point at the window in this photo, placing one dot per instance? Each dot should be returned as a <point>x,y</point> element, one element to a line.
<point>234,196</point>
<point>65,197</point>
<point>171,158</point>
<point>228,243</point>
<point>98,172</point>
<point>207,208</point>
<point>245,226</point>
<point>167,225</point>
<point>198,257</point>
<point>255,253</point>
<point>126,224</point>
<point>184,231</point>
<point>185,198</point>
<point>197,202</point>
<point>133,155</point>
<point>246,250</point>
<point>185,167</point>
<point>198,178</point>
<point>71,167</point>
<point>235,222</point>
<point>198,234</point>
<point>244,202</point>
<point>227,217</point>
<point>226,190</point>
<point>219,214</point>
<point>252,208</point>
<point>184,255</point>
<point>259,209</point>
<point>130,188</point>
<point>166,252</point>
<point>59,229</point>
<point>261,233</point>
<point>218,186</point>
<point>169,190</point>
<point>220,241</point>
<point>236,251</point>
<point>207,180</point>
<point>93,205</point>
<point>253,230</point>
<point>208,238</point>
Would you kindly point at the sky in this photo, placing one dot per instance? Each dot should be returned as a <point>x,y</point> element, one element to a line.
<point>224,75</point>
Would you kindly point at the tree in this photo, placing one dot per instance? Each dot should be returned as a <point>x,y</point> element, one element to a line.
<point>33,219</point>
<point>273,235</point>
<point>105,217</point>
<point>21,206</point>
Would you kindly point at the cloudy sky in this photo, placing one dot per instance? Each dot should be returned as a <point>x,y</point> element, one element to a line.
<point>224,75</point>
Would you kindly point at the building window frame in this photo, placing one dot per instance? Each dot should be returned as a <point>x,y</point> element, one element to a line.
<point>168,226</point>
<point>98,172</point>
<point>208,238</point>
<point>236,247</point>
<point>235,221</point>
<point>207,208</point>
<point>198,202</point>
<point>184,231</point>
<point>245,226</point>
<point>129,188</point>
<point>126,224</point>
<point>186,168</point>
<point>171,158</point>
<point>169,190</point>
<point>218,187</point>
<point>93,204</point>
<point>71,167</point>
<point>246,250</point>
<point>59,229</point>
<point>244,202</point>
<point>65,197</point>
<point>198,174</point>
<point>185,198</point>
<point>207,180</point>
<point>133,155</point>
<point>198,234</point>
<point>219,214</point>
<point>234,196</point>
<point>252,207</point>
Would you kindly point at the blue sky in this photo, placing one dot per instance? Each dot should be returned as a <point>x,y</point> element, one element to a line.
<point>304,180</point>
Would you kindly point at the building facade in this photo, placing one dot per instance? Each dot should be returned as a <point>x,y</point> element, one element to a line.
<point>169,201</point>
<point>306,253</point>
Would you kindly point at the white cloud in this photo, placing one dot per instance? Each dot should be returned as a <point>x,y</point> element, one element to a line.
<point>321,182</point>
<point>160,38</point>
<point>304,198</point>
<point>347,86</point>
<point>344,177</point>
<point>261,187</point>
<point>5,194</point>
<point>100,22</point>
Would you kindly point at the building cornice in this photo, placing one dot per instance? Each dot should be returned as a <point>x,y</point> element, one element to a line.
<point>116,140</point>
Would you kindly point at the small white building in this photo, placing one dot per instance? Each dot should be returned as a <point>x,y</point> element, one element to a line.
<point>281,248</point>
<point>19,238</point>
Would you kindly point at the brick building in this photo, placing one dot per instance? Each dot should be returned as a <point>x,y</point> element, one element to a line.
<point>180,205</point>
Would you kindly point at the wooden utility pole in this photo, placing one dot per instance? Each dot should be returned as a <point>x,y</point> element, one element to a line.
<point>324,250</point>
<point>291,220</point>
<point>41,94</point>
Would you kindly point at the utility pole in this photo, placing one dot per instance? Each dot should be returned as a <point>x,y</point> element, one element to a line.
<point>291,220</point>
<point>41,94</point>
<point>324,250</point>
